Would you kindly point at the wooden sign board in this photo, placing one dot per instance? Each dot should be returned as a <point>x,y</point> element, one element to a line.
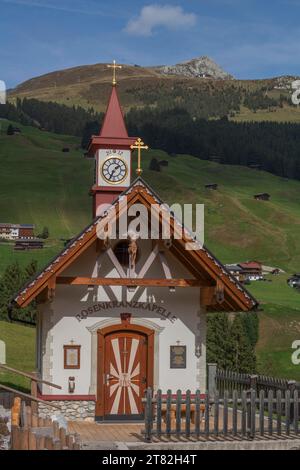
<point>177,357</point>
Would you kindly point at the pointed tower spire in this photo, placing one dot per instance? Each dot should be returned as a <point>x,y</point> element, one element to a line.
<point>114,125</point>
<point>112,151</point>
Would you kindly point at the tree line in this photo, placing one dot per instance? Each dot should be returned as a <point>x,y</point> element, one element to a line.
<point>273,147</point>
<point>50,116</point>
<point>231,343</point>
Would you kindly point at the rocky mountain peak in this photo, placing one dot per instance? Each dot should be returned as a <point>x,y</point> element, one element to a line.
<point>199,67</point>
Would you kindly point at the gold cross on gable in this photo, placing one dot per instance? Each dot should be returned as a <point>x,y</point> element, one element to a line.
<point>139,145</point>
<point>114,66</point>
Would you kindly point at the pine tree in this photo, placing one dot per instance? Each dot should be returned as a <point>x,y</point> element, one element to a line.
<point>219,341</point>
<point>10,130</point>
<point>154,165</point>
<point>30,270</point>
<point>44,234</point>
<point>244,359</point>
<point>10,283</point>
<point>13,279</point>
<point>228,344</point>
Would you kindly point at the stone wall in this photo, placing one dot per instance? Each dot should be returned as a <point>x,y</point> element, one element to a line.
<point>5,428</point>
<point>70,409</point>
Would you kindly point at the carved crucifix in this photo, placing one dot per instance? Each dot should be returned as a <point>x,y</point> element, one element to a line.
<point>132,251</point>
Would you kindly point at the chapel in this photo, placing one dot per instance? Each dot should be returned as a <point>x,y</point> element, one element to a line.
<point>119,312</point>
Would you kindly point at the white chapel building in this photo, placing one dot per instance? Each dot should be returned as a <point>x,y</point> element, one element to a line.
<point>118,314</point>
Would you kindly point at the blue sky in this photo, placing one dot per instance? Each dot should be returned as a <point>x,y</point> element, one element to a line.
<point>248,38</point>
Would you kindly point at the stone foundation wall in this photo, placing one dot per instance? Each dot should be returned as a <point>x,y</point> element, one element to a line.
<point>71,410</point>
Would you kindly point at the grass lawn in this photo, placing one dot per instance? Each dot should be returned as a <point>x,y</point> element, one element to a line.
<point>20,353</point>
<point>276,292</point>
<point>8,255</point>
<point>279,327</point>
<point>286,114</point>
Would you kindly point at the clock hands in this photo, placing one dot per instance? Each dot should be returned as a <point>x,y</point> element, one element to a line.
<point>114,170</point>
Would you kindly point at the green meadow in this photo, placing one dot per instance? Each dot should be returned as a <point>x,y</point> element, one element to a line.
<point>40,184</point>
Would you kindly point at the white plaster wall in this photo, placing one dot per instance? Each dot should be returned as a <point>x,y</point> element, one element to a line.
<point>66,324</point>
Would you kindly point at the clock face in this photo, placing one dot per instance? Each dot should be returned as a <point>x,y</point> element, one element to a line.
<point>114,170</point>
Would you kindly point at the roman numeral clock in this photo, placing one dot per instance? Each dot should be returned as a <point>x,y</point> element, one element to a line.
<point>113,167</point>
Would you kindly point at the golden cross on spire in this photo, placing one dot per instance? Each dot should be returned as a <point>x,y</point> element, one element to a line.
<point>114,66</point>
<point>139,145</point>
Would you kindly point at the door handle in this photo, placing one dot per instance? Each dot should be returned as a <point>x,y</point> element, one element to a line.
<point>107,378</point>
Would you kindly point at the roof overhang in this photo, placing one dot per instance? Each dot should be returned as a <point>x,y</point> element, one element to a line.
<point>201,263</point>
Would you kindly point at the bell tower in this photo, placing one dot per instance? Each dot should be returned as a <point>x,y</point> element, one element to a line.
<point>112,150</point>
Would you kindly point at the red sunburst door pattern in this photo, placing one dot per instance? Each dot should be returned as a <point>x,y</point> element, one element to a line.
<point>125,373</point>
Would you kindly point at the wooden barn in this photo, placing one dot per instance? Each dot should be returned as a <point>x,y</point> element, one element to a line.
<point>262,197</point>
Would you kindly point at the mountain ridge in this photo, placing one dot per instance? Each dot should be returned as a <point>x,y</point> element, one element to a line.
<point>198,67</point>
<point>190,85</point>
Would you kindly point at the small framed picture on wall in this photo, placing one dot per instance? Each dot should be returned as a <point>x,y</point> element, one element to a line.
<point>177,357</point>
<point>72,357</point>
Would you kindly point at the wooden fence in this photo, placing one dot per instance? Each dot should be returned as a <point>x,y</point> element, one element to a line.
<point>6,399</point>
<point>234,415</point>
<point>229,380</point>
<point>31,432</point>
<point>34,381</point>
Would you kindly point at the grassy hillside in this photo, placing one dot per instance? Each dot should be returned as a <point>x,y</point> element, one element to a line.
<point>43,186</point>
<point>20,353</point>
<point>279,326</point>
<point>90,85</point>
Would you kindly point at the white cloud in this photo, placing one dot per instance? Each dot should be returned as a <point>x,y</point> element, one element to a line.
<point>166,16</point>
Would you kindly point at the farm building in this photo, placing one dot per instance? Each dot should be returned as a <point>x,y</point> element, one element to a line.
<point>16,231</point>
<point>262,197</point>
<point>212,186</point>
<point>22,245</point>
<point>252,270</point>
<point>236,271</point>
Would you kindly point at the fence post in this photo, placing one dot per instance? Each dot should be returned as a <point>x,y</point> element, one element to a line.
<point>15,437</point>
<point>212,379</point>
<point>292,388</point>
<point>32,441</point>
<point>148,415</point>
<point>252,413</point>
<point>296,411</point>
<point>34,390</point>
<point>253,382</point>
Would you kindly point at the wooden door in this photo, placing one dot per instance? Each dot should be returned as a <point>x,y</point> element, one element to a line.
<point>125,374</point>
